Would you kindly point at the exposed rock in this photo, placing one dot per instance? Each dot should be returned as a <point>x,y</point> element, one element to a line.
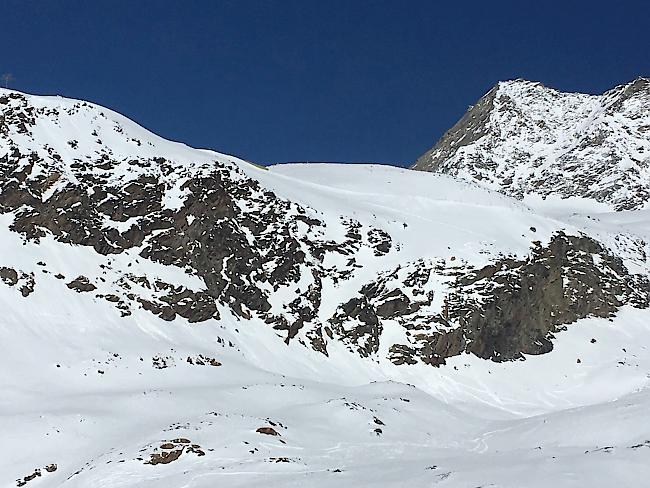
<point>380,241</point>
<point>81,284</point>
<point>526,302</point>
<point>279,460</point>
<point>162,362</point>
<point>170,451</point>
<point>9,276</point>
<point>502,311</point>
<point>395,303</point>
<point>16,278</point>
<point>164,457</point>
<point>401,354</point>
<point>202,360</point>
<point>267,431</point>
<point>29,477</point>
<point>356,321</point>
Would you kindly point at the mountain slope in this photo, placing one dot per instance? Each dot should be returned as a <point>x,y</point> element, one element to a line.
<point>174,316</point>
<point>525,139</point>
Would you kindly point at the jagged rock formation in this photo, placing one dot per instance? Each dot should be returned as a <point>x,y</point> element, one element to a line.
<point>523,138</point>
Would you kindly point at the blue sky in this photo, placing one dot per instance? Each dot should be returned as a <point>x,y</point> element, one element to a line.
<point>273,81</point>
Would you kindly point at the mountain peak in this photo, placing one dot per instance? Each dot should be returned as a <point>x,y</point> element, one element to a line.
<point>523,138</point>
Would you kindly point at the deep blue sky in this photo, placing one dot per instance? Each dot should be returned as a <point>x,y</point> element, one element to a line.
<point>324,80</point>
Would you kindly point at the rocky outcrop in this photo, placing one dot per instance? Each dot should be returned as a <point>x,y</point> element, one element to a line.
<point>25,282</point>
<point>170,451</point>
<point>81,284</point>
<point>267,431</point>
<point>503,311</point>
<point>523,303</point>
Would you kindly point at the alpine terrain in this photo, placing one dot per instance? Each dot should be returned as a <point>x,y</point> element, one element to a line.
<point>175,317</point>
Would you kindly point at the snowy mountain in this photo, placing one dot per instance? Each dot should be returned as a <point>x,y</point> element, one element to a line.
<point>180,317</point>
<point>527,140</point>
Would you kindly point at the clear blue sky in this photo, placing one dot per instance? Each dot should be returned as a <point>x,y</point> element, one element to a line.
<point>324,80</point>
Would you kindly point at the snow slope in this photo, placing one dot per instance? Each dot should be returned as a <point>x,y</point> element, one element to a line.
<point>97,383</point>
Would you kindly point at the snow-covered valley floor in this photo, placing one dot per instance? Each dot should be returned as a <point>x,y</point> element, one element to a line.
<point>101,413</point>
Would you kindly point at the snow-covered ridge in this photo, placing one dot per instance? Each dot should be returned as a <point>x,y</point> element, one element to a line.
<point>525,139</point>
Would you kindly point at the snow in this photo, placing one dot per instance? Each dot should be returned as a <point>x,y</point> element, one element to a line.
<point>80,389</point>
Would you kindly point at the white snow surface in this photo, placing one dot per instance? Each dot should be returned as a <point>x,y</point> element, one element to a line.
<point>80,389</point>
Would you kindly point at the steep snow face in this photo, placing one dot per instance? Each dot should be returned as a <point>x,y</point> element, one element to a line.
<point>525,139</point>
<point>179,317</point>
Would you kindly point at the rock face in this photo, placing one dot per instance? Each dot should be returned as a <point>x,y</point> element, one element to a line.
<point>523,138</point>
<point>227,248</point>
<point>523,303</point>
<point>502,311</point>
